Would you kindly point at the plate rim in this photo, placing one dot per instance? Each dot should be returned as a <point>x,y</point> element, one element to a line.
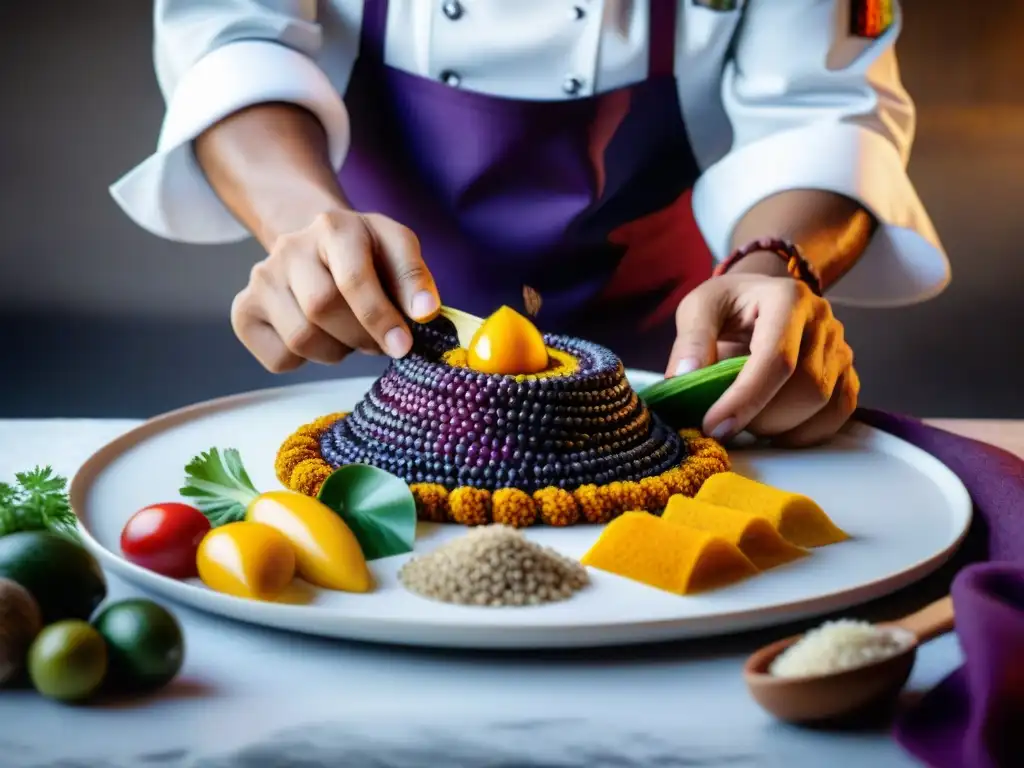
<point>235,608</point>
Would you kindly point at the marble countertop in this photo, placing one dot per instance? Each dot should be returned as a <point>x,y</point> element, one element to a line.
<point>255,697</point>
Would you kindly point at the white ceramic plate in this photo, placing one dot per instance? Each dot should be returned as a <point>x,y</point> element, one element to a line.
<point>906,512</point>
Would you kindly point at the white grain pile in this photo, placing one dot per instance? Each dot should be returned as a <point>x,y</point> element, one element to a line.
<point>835,646</point>
<point>494,565</point>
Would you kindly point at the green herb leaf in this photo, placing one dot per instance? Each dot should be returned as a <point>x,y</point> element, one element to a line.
<point>10,520</point>
<point>37,501</point>
<point>466,325</point>
<point>682,401</point>
<point>376,505</point>
<point>8,495</point>
<point>219,485</point>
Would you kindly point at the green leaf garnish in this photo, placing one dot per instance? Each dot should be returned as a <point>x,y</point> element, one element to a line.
<point>378,507</point>
<point>219,486</point>
<point>37,501</point>
<point>682,401</point>
<point>466,325</point>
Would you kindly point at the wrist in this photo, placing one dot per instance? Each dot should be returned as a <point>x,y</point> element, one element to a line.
<point>832,230</point>
<point>765,263</point>
<point>269,165</point>
<point>294,209</point>
<point>790,261</point>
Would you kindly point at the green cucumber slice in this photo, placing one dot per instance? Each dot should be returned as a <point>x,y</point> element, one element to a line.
<point>682,401</point>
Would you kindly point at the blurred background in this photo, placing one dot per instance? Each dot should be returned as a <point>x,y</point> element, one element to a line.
<point>99,318</point>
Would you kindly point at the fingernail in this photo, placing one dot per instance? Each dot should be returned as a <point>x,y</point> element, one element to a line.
<point>423,305</point>
<point>687,365</point>
<point>397,342</point>
<point>724,430</point>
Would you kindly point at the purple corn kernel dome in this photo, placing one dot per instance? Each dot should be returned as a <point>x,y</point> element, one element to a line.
<point>429,422</point>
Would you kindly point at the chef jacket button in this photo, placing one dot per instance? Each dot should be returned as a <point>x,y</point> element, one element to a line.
<point>451,78</point>
<point>572,85</point>
<point>453,9</point>
<point>578,12</point>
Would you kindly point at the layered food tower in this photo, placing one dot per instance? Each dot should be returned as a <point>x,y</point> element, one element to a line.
<point>511,427</point>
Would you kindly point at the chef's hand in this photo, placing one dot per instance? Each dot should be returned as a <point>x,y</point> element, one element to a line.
<point>799,386</point>
<point>326,290</point>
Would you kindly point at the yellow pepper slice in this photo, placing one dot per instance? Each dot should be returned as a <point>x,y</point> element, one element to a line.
<point>753,534</point>
<point>796,517</point>
<point>327,553</point>
<point>668,556</point>
<point>247,560</point>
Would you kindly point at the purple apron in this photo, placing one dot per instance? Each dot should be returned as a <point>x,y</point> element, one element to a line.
<point>585,200</point>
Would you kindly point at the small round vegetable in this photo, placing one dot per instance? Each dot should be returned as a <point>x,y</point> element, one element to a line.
<point>68,661</point>
<point>245,559</point>
<point>20,622</point>
<point>144,644</point>
<point>61,575</point>
<point>165,538</point>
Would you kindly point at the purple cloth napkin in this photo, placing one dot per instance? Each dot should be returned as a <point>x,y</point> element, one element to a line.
<point>975,717</point>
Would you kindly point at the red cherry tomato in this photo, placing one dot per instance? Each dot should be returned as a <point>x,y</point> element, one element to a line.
<point>164,538</point>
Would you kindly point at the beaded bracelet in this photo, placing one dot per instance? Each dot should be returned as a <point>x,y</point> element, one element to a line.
<point>796,265</point>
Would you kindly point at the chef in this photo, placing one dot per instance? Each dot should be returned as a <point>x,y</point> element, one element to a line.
<point>681,180</point>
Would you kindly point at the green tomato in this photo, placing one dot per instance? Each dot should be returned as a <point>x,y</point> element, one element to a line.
<point>144,642</point>
<point>68,661</point>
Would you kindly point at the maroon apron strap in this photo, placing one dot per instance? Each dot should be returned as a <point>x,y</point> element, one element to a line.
<point>373,34</point>
<point>661,37</point>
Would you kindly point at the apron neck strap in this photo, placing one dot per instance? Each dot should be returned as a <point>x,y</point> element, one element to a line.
<point>661,37</point>
<point>374,31</point>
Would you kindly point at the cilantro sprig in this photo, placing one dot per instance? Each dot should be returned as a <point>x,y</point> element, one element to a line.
<point>219,485</point>
<point>36,501</point>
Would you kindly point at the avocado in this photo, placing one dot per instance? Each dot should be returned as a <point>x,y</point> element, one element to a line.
<point>63,577</point>
<point>144,643</point>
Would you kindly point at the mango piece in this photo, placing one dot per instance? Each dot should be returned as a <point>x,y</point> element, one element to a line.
<point>246,559</point>
<point>507,344</point>
<point>799,519</point>
<point>327,553</point>
<point>754,535</point>
<point>672,557</point>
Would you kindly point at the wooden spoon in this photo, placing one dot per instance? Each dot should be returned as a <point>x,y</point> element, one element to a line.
<point>839,695</point>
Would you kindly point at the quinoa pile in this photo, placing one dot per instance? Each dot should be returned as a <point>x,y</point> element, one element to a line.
<point>494,565</point>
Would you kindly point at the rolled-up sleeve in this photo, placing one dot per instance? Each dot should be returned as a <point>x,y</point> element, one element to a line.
<point>213,58</point>
<point>814,107</point>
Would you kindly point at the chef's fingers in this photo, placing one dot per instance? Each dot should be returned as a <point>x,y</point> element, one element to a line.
<point>830,419</point>
<point>259,337</point>
<point>323,305</point>
<point>278,306</point>
<point>774,354</point>
<point>347,248</point>
<point>253,329</point>
<point>824,355</point>
<point>401,266</point>
<point>698,323</point>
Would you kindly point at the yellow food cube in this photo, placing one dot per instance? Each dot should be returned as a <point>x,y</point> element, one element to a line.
<point>799,519</point>
<point>675,558</point>
<point>753,534</point>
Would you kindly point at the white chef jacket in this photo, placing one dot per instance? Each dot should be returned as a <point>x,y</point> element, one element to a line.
<point>775,95</point>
